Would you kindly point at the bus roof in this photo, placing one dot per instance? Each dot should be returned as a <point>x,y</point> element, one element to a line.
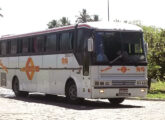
<point>112,26</point>
<point>90,25</point>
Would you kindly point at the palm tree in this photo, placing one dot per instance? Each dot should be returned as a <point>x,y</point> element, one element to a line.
<point>96,18</point>
<point>53,23</point>
<point>1,14</point>
<point>84,17</point>
<point>64,21</point>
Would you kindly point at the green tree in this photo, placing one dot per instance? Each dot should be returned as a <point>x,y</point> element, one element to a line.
<point>155,38</point>
<point>53,23</point>
<point>64,21</point>
<point>117,20</point>
<point>83,17</point>
<point>96,18</point>
<point>58,23</point>
<point>0,13</point>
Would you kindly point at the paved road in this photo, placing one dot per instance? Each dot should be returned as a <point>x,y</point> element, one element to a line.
<point>39,107</point>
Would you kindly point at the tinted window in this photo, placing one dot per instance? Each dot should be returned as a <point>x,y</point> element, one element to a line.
<point>25,45</point>
<point>0,48</point>
<point>63,41</point>
<point>38,43</point>
<point>71,39</point>
<point>4,48</point>
<point>8,46</point>
<point>51,42</point>
<point>13,49</point>
<point>80,39</point>
<point>66,41</point>
<point>19,46</point>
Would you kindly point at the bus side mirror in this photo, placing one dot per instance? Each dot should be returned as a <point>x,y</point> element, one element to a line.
<point>90,44</point>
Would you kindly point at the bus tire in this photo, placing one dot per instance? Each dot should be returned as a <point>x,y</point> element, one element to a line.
<point>116,101</point>
<point>15,87</point>
<point>71,93</point>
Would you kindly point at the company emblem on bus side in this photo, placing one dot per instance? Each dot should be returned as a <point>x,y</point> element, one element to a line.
<point>30,69</point>
<point>3,67</point>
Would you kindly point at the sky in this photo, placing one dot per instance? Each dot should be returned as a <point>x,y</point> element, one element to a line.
<point>23,16</point>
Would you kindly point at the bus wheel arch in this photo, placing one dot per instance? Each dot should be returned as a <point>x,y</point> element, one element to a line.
<point>16,88</point>
<point>71,89</point>
<point>14,79</point>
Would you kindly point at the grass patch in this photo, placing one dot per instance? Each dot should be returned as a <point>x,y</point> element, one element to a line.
<point>157,90</point>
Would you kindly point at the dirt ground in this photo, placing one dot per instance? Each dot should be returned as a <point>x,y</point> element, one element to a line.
<point>39,107</point>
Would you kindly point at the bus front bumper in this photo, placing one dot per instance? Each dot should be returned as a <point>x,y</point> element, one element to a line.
<point>118,92</point>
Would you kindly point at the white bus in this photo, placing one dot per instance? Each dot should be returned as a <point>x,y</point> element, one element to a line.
<point>89,60</point>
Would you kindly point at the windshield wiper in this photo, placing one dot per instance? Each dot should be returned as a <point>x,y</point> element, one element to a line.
<point>122,55</point>
<point>114,60</point>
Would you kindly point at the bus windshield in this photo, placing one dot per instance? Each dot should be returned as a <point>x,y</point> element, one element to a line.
<point>119,47</point>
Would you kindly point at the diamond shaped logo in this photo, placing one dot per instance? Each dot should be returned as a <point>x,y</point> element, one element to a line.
<point>3,67</point>
<point>30,68</point>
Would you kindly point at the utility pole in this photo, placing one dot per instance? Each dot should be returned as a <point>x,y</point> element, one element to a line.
<point>108,10</point>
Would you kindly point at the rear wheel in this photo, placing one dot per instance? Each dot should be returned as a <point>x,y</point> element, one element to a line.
<point>15,87</point>
<point>116,101</point>
<point>71,92</point>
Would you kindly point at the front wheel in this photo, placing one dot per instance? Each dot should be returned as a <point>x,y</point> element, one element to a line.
<point>15,87</point>
<point>71,93</point>
<point>116,101</point>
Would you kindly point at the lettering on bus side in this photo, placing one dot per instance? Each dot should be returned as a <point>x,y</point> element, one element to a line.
<point>140,69</point>
<point>64,60</point>
<point>30,68</point>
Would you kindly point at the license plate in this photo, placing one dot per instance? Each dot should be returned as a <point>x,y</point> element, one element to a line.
<point>123,90</point>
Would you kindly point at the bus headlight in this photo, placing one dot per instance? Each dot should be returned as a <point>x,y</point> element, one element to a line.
<point>143,90</point>
<point>101,91</point>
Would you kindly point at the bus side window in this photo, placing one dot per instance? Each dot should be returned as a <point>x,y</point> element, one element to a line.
<point>25,45</point>
<point>80,38</point>
<point>19,46</point>
<point>0,49</point>
<point>51,42</point>
<point>66,41</point>
<point>13,48</point>
<point>64,38</point>
<point>38,44</point>
<point>71,40</point>
<point>4,47</point>
<point>8,47</point>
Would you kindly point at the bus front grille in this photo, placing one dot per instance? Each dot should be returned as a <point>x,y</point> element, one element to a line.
<point>123,82</point>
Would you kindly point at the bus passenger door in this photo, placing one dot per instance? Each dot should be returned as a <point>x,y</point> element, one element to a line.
<point>82,50</point>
